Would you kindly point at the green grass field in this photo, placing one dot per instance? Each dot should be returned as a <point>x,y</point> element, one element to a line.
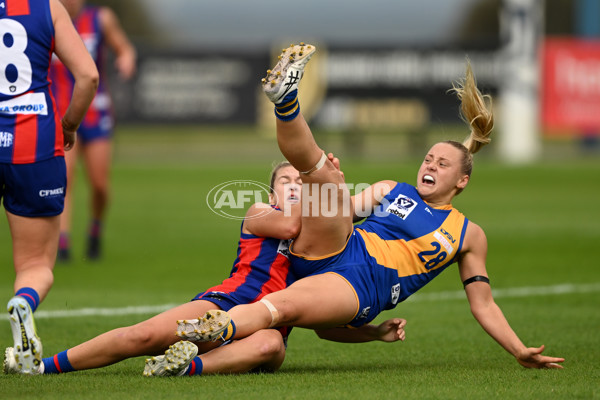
<point>163,245</point>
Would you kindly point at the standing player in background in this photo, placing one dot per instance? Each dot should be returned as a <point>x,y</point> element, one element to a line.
<point>33,139</point>
<point>99,28</point>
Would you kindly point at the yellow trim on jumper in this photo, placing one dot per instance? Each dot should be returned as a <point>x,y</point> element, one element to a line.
<point>445,207</point>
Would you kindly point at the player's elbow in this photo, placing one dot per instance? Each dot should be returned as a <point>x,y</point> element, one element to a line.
<point>292,230</point>
<point>295,229</point>
<point>94,78</point>
<point>481,310</point>
<point>89,78</point>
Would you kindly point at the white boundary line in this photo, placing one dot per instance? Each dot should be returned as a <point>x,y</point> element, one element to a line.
<point>527,291</point>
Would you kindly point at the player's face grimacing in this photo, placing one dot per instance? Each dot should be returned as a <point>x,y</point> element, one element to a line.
<point>441,174</point>
<point>287,188</point>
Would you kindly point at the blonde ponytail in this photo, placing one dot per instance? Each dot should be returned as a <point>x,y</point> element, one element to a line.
<point>476,111</point>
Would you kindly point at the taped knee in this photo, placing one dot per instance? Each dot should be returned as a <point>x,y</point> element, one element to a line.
<point>272,310</point>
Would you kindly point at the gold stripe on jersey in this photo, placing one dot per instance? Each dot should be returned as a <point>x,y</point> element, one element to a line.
<point>436,247</point>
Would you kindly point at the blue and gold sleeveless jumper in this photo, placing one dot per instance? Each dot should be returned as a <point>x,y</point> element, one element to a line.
<point>397,250</point>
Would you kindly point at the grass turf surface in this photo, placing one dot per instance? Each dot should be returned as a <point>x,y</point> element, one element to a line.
<point>163,245</point>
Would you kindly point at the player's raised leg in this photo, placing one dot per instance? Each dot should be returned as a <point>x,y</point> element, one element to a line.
<point>281,87</point>
<point>319,235</point>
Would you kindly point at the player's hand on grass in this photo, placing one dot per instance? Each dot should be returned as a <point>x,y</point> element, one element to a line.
<point>532,358</point>
<point>392,330</point>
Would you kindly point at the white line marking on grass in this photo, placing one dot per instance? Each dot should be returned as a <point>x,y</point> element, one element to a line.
<point>526,291</point>
<point>104,312</point>
<point>100,312</point>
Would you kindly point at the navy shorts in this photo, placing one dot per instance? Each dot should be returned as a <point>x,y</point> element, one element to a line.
<point>221,299</point>
<point>34,190</point>
<point>101,130</point>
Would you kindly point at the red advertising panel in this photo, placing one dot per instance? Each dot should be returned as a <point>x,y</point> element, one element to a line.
<point>571,86</point>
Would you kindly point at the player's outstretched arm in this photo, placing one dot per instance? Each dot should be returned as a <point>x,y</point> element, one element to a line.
<point>486,311</point>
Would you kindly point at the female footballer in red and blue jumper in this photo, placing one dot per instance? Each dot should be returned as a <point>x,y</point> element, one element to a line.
<point>99,29</point>
<point>410,234</point>
<point>261,267</point>
<point>33,140</point>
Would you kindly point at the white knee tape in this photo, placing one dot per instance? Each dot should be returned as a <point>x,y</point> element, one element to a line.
<point>317,167</point>
<point>273,310</point>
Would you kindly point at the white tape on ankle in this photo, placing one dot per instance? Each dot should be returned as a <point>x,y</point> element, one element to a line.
<point>273,311</point>
<point>318,166</point>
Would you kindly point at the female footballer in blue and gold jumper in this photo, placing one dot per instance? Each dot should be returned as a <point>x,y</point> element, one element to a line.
<point>33,140</point>
<point>261,267</point>
<point>412,233</point>
<point>100,29</point>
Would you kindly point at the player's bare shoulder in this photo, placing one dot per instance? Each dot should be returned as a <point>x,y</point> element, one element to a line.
<point>475,239</point>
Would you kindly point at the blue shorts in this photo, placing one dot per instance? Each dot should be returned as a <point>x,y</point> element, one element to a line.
<point>221,299</point>
<point>377,288</point>
<point>103,129</point>
<point>34,190</point>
